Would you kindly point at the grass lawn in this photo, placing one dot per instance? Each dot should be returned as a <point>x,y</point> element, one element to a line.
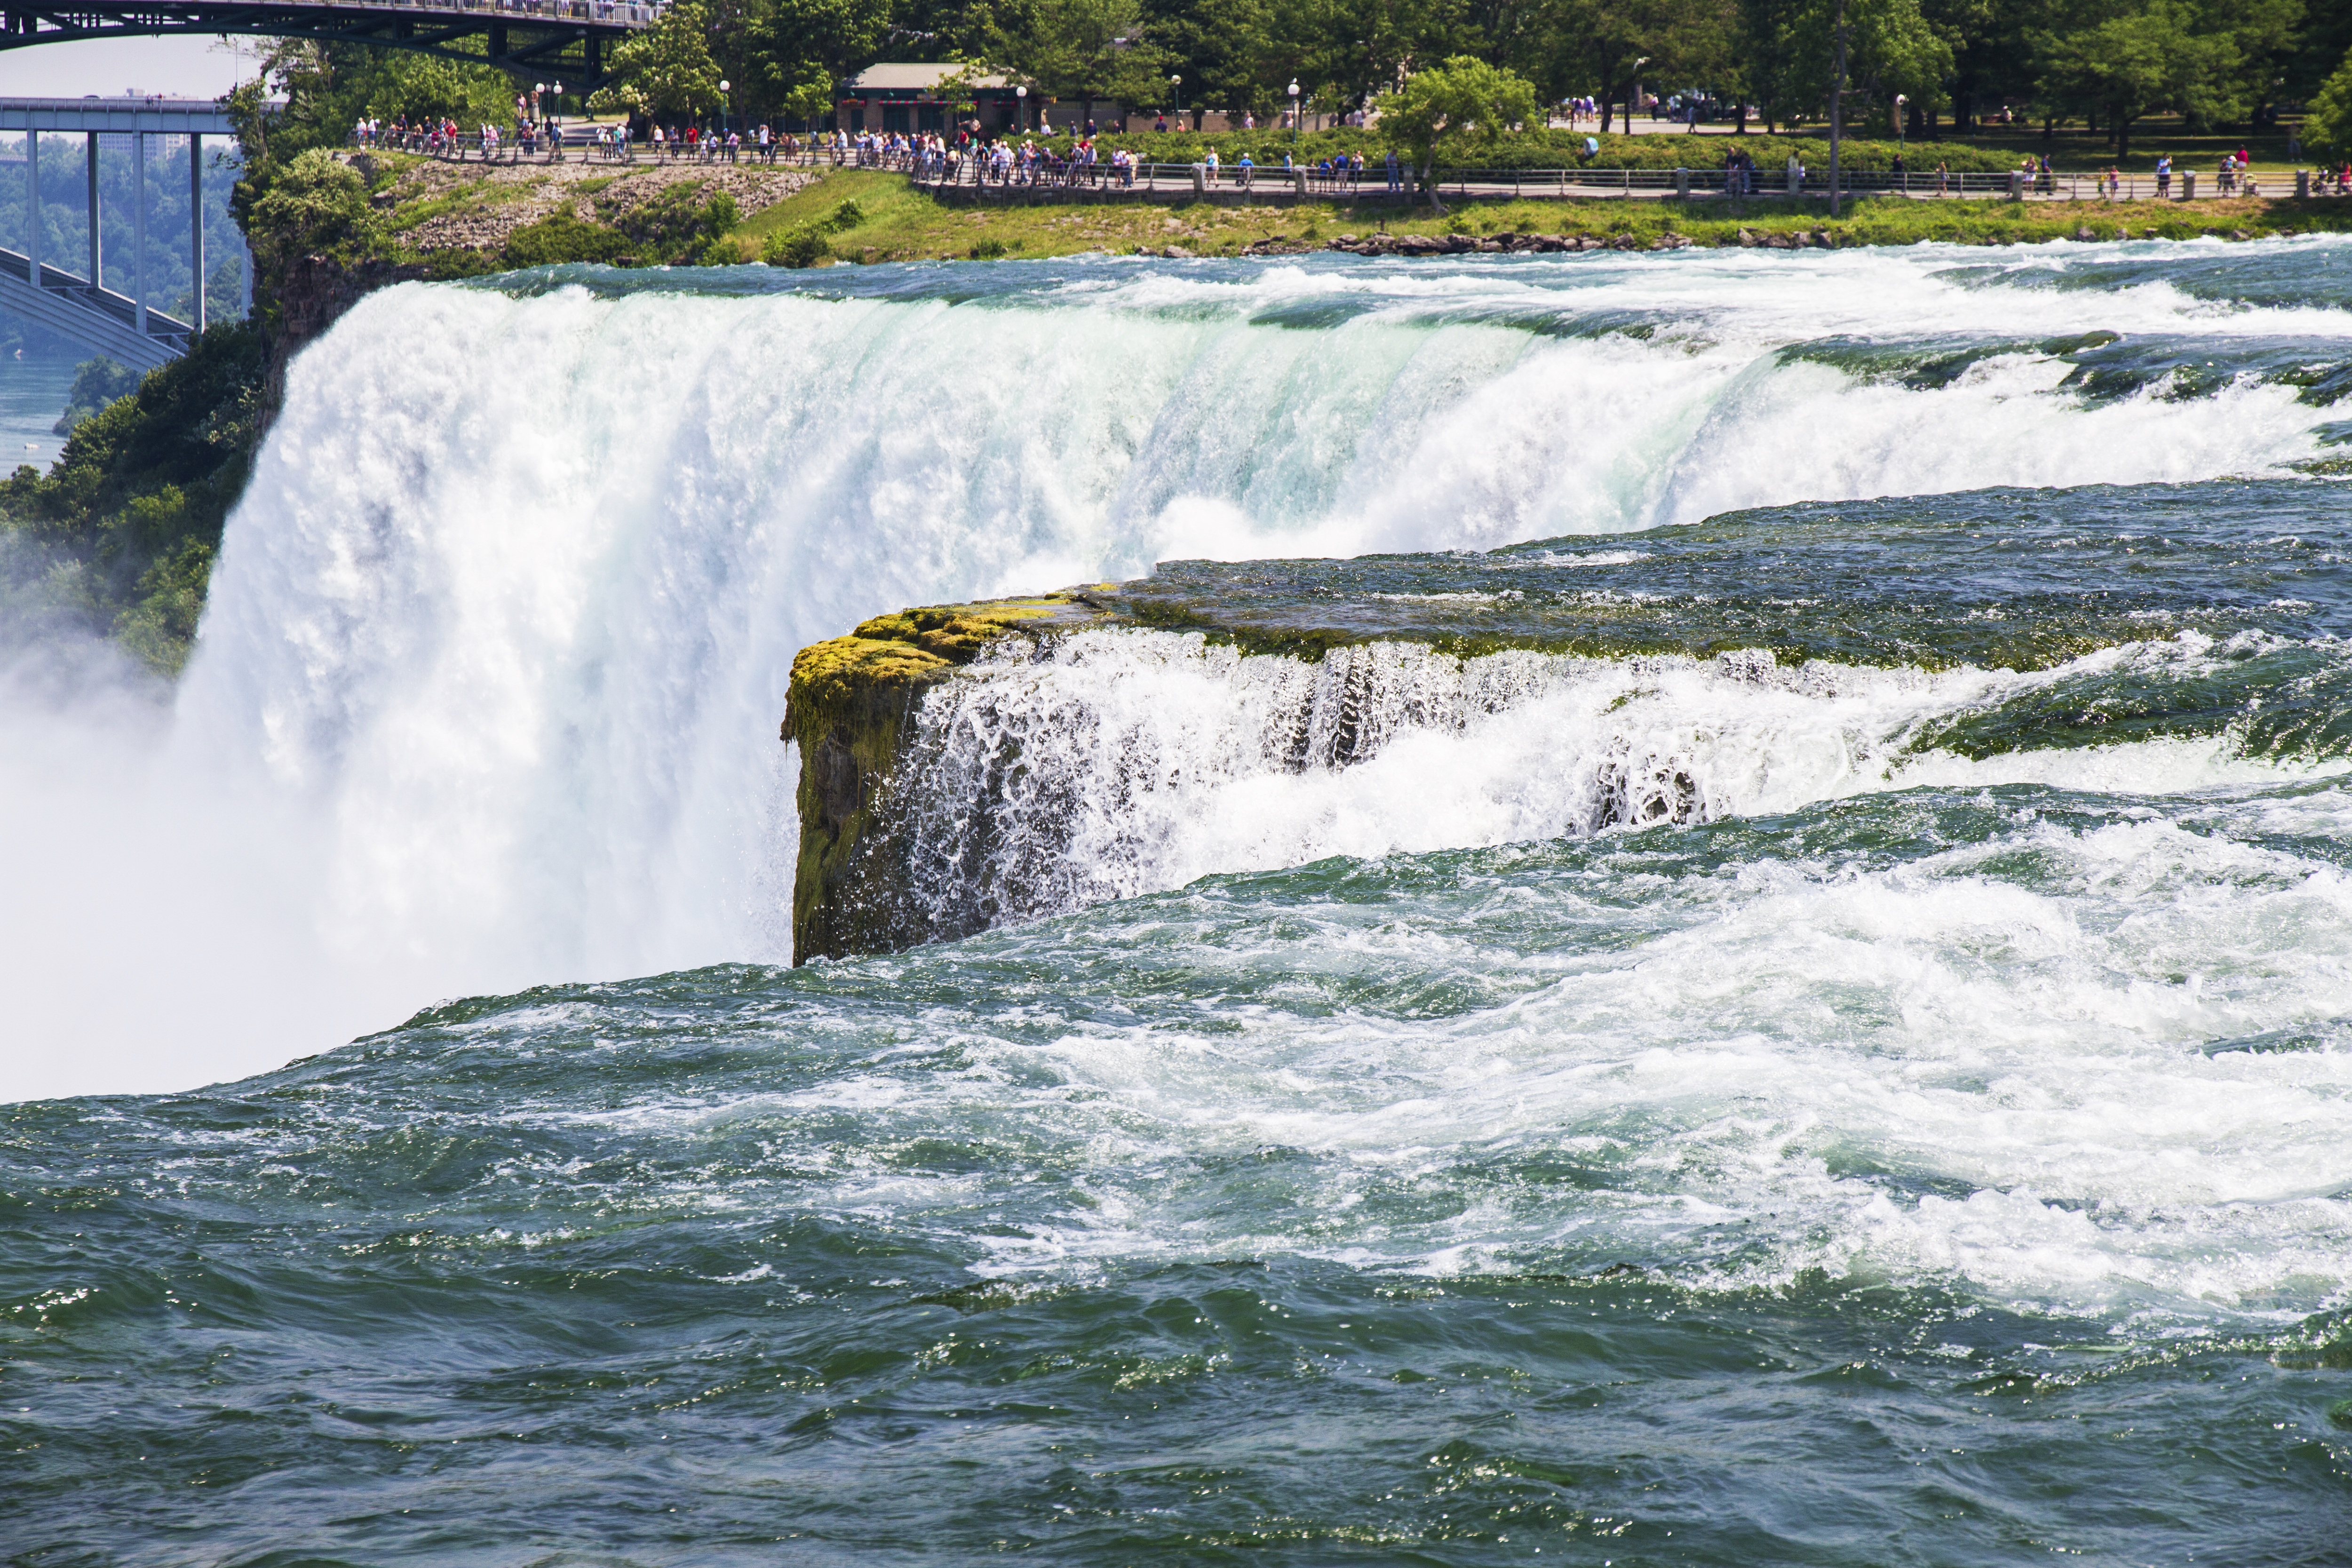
<point>899,223</point>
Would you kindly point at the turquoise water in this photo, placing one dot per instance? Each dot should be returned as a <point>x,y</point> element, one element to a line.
<point>31,395</point>
<point>1808,1030</point>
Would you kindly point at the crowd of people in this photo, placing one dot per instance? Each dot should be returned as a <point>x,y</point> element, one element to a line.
<point>973,156</point>
<point>530,137</point>
<point>443,137</point>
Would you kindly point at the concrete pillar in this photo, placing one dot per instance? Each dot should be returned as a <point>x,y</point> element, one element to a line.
<point>33,201</point>
<point>2016,185</point>
<point>2189,184</point>
<point>139,225</point>
<point>196,220</point>
<point>95,256</point>
<point>1682,184</point>
<point>2302,184</point>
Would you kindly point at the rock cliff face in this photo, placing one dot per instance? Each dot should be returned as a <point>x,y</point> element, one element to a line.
<point>930,813</point>
<point>849,709</point>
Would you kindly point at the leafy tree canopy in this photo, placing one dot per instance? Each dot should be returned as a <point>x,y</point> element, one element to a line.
<point>1456,109</point>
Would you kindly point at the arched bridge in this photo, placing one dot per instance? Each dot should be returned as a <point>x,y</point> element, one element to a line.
<point>562,40</point>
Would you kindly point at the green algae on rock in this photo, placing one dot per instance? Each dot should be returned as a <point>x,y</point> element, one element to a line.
<point>849,703</point>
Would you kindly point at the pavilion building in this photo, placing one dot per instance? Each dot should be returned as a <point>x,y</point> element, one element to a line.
<point>916,97</point>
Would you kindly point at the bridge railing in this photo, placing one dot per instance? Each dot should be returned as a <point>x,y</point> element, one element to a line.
<point>604,13</point>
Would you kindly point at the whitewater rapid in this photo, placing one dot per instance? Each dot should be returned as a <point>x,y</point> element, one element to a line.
<point>488,688</point>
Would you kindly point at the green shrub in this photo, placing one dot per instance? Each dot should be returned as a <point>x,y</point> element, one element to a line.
<point>679,224</point>
<point>803,244</point>
<point>120,530</point>
<point>316,205</point>
<point>97,383</point>
<point>988,249</point>
<point>562,237</point>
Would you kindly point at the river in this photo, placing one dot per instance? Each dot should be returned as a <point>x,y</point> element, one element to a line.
<point>1790,1005</point>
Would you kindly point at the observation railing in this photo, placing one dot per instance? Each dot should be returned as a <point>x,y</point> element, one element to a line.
<point>978,171</point>
<point>1376,181</point>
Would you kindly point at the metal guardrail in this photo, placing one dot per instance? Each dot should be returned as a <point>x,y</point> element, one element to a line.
<point>1375,181</point>
<point>976,171</point>
<point>604,13</point>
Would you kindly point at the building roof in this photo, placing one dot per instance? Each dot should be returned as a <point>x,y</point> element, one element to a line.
<point>885,78</point>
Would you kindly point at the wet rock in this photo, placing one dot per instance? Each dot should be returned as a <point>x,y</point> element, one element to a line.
<point>849,709</point>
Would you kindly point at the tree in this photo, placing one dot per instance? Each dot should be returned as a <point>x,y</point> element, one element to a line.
<point>1890,50</point>
<point>316,205</point>
<point>2327,120</point>
<point>1610,45</point>
<point>1457,108</point>
<point>1224,49</point>
<point>666,69</point>
<point>797,51</point>
<point>2140,61</point>
<point>1087,50</point>
<point>1359,50</point>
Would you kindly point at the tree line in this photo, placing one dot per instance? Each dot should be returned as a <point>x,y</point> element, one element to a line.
<point>1929,64</point>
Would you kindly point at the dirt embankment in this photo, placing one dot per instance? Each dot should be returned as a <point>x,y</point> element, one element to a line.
<point>433,204</point>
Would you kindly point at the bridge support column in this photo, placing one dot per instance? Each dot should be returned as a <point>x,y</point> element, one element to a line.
<point>96,246</point>
<point>139,224</point>
<point>197,222</point>
<point>33,202</point>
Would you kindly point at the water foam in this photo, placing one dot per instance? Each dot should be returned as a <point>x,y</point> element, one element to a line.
<point>1988,1067</point>
<point>1116,763</point>
<point>500,633</point>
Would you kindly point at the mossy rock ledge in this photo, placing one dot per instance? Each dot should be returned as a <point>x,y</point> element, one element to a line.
<point>850,704</point>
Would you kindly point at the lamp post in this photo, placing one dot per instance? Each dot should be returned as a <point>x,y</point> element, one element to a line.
<point>538,99</point>
<point>1294,110</point>
<point>1176,85</point>
<point>1899,101</point>
<point>725,108</point>
<point>1021,98</point>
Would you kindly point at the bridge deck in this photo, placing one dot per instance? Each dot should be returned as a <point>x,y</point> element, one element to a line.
<point>98,319</point>
<point>561,39</point>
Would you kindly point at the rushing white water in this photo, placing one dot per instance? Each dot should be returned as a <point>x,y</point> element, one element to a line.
<point>498,643</point>
<point>1124,763</point>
